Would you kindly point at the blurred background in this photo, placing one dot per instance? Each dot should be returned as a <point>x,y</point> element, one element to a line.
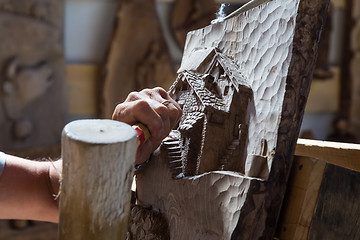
<point>75,59</point>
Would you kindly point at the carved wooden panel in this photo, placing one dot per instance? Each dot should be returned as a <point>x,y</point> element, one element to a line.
<point>137,57</point>
<point>243,85</point>
<point>32,96</point>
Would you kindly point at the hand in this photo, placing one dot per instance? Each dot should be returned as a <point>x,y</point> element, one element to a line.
<point>146,107</point>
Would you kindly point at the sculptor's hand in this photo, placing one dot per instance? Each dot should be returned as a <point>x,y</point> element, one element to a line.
<point>146,107</point>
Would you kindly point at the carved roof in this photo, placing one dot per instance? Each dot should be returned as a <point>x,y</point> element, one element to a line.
<point>208,69</point>
<point>206,97</point>
<point>204,61</point>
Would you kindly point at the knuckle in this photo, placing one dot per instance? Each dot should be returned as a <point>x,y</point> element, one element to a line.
<point>161,91</point>
<point>133,96</point>
<point>118,112</point>
<point>146,90</point>
<point>142,105</point>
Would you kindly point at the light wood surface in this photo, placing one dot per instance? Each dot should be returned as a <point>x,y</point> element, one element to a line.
<point>98,166</point>
<point>342,154</point>
<point>301,198</point>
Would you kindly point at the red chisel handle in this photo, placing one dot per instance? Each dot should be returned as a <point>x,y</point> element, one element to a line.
<point>142,131</point>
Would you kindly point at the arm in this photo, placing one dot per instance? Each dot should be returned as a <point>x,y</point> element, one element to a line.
<point>27,188</point>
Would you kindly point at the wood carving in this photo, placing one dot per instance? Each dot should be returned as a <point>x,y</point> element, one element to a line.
<point>147,224</point>
<point>32,96</point>
<point>189,15</point>
<point>138,56</point>
<point>243,85</point>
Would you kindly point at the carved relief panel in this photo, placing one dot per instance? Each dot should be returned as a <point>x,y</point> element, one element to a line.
<point>243,85</point>
<point>32,86</point>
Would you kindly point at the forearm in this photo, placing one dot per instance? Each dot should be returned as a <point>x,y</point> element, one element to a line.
<point>26,191</point>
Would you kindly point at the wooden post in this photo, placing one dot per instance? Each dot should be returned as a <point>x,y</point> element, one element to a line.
<point>98,166</point>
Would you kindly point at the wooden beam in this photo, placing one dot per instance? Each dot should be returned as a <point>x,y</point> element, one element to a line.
<point>301,198</point>
<point>342,154</point>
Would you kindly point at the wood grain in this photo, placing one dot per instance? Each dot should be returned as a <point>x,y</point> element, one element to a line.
<point>338,209</point>
<point>301,198</point>
<point>98,167</point>
<point>194,203</point>
<point>310,19</point>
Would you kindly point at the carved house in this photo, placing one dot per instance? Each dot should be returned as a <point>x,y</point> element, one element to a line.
<point>215,97</point>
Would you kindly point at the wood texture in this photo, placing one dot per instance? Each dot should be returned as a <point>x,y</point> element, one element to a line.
<point>33,105</point>
<point>137,57</point>
<point>98,167</point>
<point>346,155</point>
<point>338,209</point>
<point>191,205</point>
<point>189,15</point>
<point>311,16</point>
<point>274,48</point>
<point>301,198</point>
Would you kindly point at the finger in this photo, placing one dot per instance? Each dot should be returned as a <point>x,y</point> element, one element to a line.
<point>133,96</point>
<point>175,111</point>
<point>161,95</point>
<point>160,91</point>
<point>144,112</point>
<point>163,112</point>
